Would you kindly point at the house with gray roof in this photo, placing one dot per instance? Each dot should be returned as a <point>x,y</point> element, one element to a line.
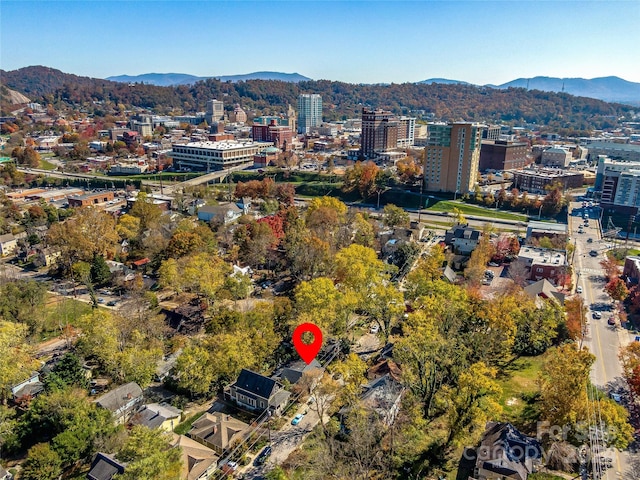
<point>105,467</point>
<point>505,453</point>
<point>255,392</point>
<point>462,239</point>
<point>158,415</point>
<point>122,402</point>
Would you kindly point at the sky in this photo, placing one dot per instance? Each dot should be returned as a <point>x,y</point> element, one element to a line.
<point>481,42</point>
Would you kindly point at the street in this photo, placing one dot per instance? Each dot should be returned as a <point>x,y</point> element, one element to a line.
<point>602,339</point>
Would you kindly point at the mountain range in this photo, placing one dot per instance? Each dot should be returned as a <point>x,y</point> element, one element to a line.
<point>440,99</point>
<point>171,79</point>
<point>609,89</point>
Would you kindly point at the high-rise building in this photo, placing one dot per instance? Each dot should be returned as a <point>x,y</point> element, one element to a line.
<point>379,132</point>
<point>309,111</point>
<point>451,157</point>
<point>215,111</point>
<point>406,131</point>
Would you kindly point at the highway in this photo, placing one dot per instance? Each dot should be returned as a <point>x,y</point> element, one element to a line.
<point>602,339</point>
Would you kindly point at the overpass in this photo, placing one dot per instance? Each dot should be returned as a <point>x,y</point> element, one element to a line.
<point>219,175</point>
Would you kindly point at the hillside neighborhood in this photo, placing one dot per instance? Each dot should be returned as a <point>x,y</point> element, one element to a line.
<point>476,284</point>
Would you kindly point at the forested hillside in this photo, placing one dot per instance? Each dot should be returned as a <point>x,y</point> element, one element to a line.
<point>340,100</point>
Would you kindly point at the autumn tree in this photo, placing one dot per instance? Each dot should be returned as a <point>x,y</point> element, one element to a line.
<point>552,202</point>
<point>16,360</point>
<point>88,233</point>
<point>630,358</point>
<point>427,270</point>
<point>363,232</point>
<point>193,372</point>
<point>576,317</point>
<point>42,463</point>
<point>617,289</point>
<point>394,216</point>
<point>149,454</point>
<point>322,302</point>
<point>385,305</point>
<point>362,177</point>
<point>408,169</point>
<point>610,266</point>
<point>563,384</point>
<point>472,402</point>
<point>146,211</point>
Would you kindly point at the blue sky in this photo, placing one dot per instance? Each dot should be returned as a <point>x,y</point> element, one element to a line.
<point>355,41</point>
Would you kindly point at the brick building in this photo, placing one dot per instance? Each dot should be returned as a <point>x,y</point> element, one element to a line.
<point>502,155</point>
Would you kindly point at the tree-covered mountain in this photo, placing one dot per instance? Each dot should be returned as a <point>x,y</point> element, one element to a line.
<point>170,79</point>
<point>609,89</point>
<point>449,102</point>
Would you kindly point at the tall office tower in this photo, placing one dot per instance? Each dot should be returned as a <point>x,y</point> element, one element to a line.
<point>451,157</point>
<point>379,132</point>
<point>215,111</point>
<point>309,112</point>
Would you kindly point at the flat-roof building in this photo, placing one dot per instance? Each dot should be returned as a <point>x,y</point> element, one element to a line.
<point>90,199</point>
<point>537,181</point>
<point>211,156</point>
<point>502,155</point>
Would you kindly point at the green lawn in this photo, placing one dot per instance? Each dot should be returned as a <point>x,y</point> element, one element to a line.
<point>61,311</point>
<point>46,165</point>
<point>449,205</point>
<point>519,384</point>
<point>185,426</point>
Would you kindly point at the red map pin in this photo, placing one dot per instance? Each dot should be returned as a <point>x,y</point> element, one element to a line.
<point>307,351</point>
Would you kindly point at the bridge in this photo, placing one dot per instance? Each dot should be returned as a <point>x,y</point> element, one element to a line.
<point>218,175</point>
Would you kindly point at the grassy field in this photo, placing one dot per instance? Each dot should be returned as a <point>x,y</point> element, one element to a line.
<point>448,206</point>
<point>46,165</point>
<point>519,386</point>
<point>60,311</point>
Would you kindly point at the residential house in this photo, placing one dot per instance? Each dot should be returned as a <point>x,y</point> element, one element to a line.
<point>225,214</point>
<point>296,370</point>
<point>218,431</point>
<point>158,415</point>
<point>198,461</point>
<point>28,388</point>
<point>122,402</point>
<point>8,244</point>
<point>46,257</point>
<point>256,392</point>
<point>505,453</point>
<point>105,467</point>
<point>543,290</point>
<point>463,239</point>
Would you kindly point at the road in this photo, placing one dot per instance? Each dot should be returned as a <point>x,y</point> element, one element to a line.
<point>603,340</point>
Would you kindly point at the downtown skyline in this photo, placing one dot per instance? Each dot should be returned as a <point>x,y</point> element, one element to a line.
<point>354,42</point>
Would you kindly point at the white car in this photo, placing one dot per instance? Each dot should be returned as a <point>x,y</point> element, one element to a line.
<point>579,290</point>
<point>375,328</point>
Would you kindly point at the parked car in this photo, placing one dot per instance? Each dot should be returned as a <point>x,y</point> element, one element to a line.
<point>262,456</point>
<point>597,315</point>
<point>611,321</point>
<point>615,397</point>
<point>579,289</point>
<point>375,328</point>
<point>589,240</point>
<point>112,303</point>
<point>100,300</point>
<point>296,420</point>
<point>593,253</point>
